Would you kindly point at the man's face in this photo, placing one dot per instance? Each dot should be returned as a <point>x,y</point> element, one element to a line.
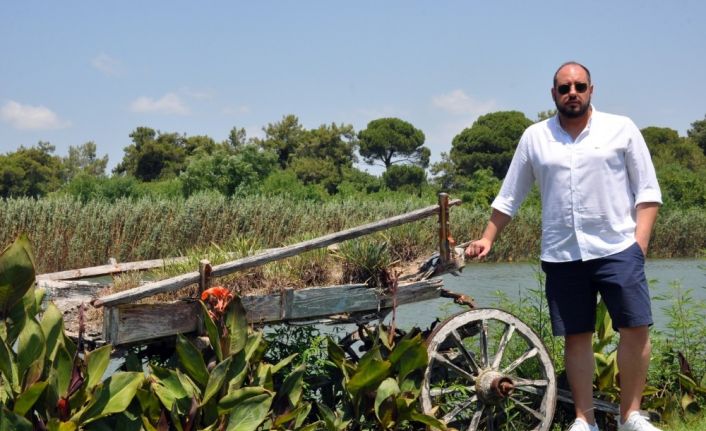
<point>572,91</point>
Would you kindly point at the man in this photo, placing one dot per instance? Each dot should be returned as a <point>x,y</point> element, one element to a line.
<point>600,199</point>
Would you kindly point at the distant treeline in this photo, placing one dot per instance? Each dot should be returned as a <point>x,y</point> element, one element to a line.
<point>67,233</point>
<point>320,164</point>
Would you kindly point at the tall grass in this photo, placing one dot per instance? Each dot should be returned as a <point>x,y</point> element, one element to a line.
<point>69,234</point>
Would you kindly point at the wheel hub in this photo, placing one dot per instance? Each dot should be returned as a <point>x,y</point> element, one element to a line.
<point>493,386</point>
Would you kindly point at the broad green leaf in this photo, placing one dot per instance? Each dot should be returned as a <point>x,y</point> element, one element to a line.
<point>149,404</point>
<point>310,427</point>
<point>61,371</point>
<point>290,415</point>
<point>216,380</point>
<point>8,366</point>
<point>236,398</point>
<point>213,336</point>
<point>237,372</point>
<point>56,425</point>
<point>430,421</point>
<point>283,363</point>
<point>237,325</point>
<point>293,384</point>
<point>31,347</point>
<point>335,353</point>
<point>263,376</point>
<point>686,401</point>
<point>27,399</point>
<point>368,376</point>
<point>255,348</point>
<point>112,396</point>
<point>250,413</point>
<point>52,324</point>
<point>16,273</point>
<point>97,362</point>
<point>409,355</point>
<point>387,388</point>
<point>191,360</point>
<point>10,421</point>
<point>167,386</point>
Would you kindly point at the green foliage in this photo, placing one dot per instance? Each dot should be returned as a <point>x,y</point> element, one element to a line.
<point>404,178</point>
<point>32,171</point>
<point>481,188</point>
<point>697,133</point>
<point>387,139</point>
<point>489,143</point>
<point>379,391</point>
<point>364,261</point>
<point>153,155</point>
<point>227,171</point>
<point>677,375</point>
<point>283,137</point>
<point>286,183</point>
<point>43,379</point>
<point>82,160</point>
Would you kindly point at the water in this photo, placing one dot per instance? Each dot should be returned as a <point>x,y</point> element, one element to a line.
<point>482,281</point>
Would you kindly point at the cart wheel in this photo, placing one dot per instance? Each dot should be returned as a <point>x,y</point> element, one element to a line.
<point>488,371</point>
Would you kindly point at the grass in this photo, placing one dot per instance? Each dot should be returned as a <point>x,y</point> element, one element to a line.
<point>69,234</point>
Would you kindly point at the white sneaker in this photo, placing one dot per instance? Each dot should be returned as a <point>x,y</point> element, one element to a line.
<point>582,425</point>
<point>636,422</point>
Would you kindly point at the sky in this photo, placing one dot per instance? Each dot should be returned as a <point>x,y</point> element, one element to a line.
<point>79,71</point>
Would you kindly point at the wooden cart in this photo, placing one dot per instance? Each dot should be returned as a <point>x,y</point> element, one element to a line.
<point>486,370</point>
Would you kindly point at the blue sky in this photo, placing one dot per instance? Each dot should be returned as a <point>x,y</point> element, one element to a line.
<point>72,72</point>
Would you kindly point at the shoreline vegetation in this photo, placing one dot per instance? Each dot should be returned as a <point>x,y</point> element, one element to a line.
<point>66,233</point>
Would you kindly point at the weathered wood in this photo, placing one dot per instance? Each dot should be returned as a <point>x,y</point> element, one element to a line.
<point>444,249</point>
<point>204,275</point>
<point>68,294</point>
<point>184,280</point>
<point>112,268</point>
<point>131,323</point>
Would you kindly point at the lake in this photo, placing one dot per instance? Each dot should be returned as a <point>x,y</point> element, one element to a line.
<point>483,280</point>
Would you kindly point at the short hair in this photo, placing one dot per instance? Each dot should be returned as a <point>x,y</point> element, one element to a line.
<point>575,63</point>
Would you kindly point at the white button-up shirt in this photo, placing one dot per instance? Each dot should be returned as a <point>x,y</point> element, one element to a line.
<point>589,186</point>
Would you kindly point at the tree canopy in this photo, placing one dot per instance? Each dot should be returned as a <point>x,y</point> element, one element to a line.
<point>489,143</point>
<point>391,140</point>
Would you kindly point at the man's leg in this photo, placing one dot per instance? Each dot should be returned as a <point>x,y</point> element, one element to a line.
<point>633,361</point>
<point>579,362</point>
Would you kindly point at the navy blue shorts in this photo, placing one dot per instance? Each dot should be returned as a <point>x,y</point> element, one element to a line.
<point>572,290</point>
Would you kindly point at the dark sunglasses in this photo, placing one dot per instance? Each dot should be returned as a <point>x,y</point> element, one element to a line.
<point>580,87</point>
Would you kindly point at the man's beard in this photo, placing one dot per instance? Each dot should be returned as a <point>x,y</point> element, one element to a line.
<point>570,113</point>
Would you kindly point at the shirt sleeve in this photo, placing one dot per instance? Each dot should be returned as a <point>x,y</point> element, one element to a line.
<point>517,182</point>
<point>641,171</point>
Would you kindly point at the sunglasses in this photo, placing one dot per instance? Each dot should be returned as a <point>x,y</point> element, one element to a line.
<point>580,87</point>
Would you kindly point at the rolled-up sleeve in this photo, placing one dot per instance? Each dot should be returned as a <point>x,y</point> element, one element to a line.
<point>641,171</point>
<point>517,182</point>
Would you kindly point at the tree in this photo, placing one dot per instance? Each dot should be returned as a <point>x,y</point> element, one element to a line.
<point>32,171</point>
<point>545,115</point>
<point>335,143</point>
<point>153,155</point>
<point>489,143</point>
<point>399,177</point>
<point>387,139</point>
<point>83,160</point>
<point>284,138</point>
<point>445,173</point>
<point>697,133</point>
<point>237,138</point>
<point>667,147</point>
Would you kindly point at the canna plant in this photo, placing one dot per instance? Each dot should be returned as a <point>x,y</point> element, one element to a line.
<point>234,390</point>
<point>46,381</point>
<point>381,390</point>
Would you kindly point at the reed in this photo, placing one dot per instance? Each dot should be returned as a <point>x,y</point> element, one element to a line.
<point>66,233</point>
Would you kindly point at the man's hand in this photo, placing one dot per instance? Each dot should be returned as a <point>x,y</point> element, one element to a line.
<point>479,248</point>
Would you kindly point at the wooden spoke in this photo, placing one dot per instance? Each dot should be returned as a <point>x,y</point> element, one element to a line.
<point>484,342</point>
<point>437,392</point>
<point>528,409</point>
<point>448,417</point>
<point>531,353</point>
<point>441,358</point>
<point>475,420</point>
<point>507,335</point>
<point>468,356</point>
<point>525,382</point>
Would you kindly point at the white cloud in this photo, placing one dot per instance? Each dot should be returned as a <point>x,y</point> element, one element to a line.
<point>459,103</point>
<point>31,117</point>
<point>106,64</point>
<point>169,104</point>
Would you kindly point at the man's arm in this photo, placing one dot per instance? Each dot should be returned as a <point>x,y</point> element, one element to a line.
<point>646,214</point>
<point>481,247</point>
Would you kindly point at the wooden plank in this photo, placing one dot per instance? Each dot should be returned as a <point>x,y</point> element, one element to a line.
<point>139,322</point>
<point>112,268</point>
<point>131,323</point>
<point>69,294</point>
<point>184,280</point>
